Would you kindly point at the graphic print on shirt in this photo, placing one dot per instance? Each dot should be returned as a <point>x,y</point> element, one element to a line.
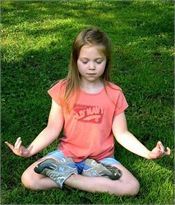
<point>88,113</point>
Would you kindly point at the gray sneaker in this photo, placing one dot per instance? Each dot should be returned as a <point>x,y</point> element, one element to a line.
<point>55,170</point>
<point>99,169</point>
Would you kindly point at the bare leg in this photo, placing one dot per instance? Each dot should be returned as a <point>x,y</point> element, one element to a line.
<point>35,181</point>
<point>126,185</point>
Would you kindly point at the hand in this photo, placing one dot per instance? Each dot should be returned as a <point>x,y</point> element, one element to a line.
<point>159,151</point>
<point>18,148</point>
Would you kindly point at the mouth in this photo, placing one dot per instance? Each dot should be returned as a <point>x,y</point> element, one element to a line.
<point>91,74</point>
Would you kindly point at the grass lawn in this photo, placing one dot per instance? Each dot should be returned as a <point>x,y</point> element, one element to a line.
<point>36,44</point>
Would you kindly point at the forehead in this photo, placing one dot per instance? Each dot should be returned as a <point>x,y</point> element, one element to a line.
<point>92,51</point>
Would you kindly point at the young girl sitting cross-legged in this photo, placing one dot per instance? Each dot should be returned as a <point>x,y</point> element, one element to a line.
<point>91,112</point>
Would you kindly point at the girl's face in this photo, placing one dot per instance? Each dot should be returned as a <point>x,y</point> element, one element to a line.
<point>91,63</point>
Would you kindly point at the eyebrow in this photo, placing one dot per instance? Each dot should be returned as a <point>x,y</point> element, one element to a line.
<point>85,58</point>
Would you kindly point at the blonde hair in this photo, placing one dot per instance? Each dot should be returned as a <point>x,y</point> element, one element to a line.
<point>89,36</point>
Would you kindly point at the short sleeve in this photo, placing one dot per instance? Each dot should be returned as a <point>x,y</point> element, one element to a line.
<point>56,92</point>
<point>121,104</point>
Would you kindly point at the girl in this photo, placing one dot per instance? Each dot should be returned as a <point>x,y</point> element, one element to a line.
<point>90,110</point>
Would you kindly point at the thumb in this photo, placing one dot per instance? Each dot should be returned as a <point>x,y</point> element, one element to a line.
<point>9,145</point>
<point>159,144</point>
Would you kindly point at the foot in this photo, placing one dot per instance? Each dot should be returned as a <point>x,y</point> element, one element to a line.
<point>49,164</point>
<point>115,172</point>
<point>99,169</point>
<point>55,170</point>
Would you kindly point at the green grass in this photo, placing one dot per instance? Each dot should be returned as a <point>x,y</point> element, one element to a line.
<point>36,44</point>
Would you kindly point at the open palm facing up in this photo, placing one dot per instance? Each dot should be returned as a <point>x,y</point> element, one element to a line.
<point>18,148</point>
<point>159,151</point>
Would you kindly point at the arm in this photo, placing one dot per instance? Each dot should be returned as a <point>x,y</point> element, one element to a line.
<point>46,136</point>
<point>130,142</point>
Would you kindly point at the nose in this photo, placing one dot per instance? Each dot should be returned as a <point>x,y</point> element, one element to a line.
<point>91,66</point>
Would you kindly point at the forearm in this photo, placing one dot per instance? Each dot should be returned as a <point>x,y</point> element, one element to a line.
<point>45,138</point>
<point>131,143</point>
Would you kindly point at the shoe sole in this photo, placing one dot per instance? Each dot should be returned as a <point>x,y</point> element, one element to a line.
<point>46,164</point>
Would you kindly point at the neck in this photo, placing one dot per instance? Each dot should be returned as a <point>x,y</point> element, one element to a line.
<point>92,87</point>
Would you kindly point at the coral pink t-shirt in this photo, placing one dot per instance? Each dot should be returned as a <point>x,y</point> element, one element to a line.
<point>88,126</point>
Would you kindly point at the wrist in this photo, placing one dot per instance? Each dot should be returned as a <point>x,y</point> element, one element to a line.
<point>27,152</point>
<point>148,155</point>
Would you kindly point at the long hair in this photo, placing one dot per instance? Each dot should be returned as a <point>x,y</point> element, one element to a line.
<point>89,36</point>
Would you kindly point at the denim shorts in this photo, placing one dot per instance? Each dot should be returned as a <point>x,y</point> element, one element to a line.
<point>80,166</point>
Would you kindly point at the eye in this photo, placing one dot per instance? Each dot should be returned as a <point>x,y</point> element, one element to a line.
<point>84,61</point>
<point>99,61</point>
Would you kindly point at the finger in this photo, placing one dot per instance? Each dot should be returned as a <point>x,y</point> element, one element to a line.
<point>158,144</point>
<point>168,151</point>
<point>161,147</point>
<point>18,145</point>
<point>17,142</point>
<point>9,145</point>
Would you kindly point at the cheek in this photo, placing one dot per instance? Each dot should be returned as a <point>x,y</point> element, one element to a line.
<point>80,67</point>
<point>78,64</point>
<point>102,67</point>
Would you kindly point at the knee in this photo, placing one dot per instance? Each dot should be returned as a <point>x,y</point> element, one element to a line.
<point>133,188</point>
<point>127,188</point>
<point>28,181</point>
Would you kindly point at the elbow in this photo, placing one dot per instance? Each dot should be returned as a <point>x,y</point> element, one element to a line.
<point>119,135</point>
<point>53,130</point>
